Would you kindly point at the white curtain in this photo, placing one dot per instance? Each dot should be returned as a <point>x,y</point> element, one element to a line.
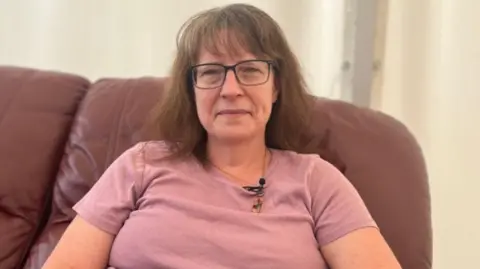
<point>126,38</point>
<point>431,81</point>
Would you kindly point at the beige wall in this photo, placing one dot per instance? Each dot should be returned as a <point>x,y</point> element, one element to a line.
<point>431,81</point>
<point>135,38</point>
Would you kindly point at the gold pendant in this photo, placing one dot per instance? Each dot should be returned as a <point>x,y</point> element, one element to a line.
<point>257,206</point>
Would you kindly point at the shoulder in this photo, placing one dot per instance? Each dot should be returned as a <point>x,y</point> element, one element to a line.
<point>150,161</point>
<point>157,148</point>
<point>310,164</point>
<point>320,178</point>
<point>157,157</point>
<point>142,155</point>
<point>134,159</point>
<point>144,151</point>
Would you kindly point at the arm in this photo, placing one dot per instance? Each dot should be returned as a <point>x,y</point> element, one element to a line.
<point>81,246</point>
<point>347,235</point>
<point>363,248</point>
<point>100,215</point>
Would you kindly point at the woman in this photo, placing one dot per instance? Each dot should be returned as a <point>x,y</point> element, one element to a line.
<point>225,185</point>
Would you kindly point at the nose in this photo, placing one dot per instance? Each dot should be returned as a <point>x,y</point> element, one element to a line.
<point>231,87</point>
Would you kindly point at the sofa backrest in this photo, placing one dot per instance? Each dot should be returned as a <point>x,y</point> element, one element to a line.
<point>37,110</point>
<point>377,153</point>
<point>108,122</point>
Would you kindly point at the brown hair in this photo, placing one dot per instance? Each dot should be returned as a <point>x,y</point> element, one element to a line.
<point>240,27</point>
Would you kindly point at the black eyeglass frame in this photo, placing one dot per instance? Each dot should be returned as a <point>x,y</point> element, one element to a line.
<point>271,64</point>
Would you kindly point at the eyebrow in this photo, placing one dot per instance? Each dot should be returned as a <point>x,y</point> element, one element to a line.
<point>220,63</point>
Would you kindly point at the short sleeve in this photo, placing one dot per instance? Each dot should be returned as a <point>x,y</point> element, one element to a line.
<point>337,207</point>
<point>111,199</point>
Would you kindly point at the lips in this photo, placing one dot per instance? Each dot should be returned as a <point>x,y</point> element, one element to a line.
<point>233,112</point>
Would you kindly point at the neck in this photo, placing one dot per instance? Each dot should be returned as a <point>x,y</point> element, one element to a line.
<point>249,154</point>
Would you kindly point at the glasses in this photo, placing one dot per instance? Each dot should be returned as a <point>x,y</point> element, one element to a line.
<point>247,73</point>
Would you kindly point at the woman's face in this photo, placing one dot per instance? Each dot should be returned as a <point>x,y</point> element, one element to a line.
<point>233,111</point>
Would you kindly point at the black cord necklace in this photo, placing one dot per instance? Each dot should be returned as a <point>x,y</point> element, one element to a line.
<point>258,190</point>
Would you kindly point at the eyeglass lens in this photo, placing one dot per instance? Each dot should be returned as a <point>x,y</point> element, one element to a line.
<point>248,73</point>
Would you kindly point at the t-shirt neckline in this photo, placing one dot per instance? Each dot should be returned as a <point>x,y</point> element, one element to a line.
<point>217,175</point>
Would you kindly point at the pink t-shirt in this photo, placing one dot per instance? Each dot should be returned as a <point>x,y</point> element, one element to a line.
<point>176,214</point>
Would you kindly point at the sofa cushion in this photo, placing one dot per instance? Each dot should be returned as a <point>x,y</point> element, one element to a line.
<point>109,121</point>
<point>36,112</point>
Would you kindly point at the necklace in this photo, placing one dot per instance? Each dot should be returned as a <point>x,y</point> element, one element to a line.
<point>258,190</point>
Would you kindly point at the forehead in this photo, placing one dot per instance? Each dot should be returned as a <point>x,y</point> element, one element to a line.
<point>225,46</point>
<point>224,56</point>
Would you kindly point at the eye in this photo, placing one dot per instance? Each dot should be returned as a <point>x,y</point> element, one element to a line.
<point>253,68</point>
<point>250,70</point>
<point>209,71</point>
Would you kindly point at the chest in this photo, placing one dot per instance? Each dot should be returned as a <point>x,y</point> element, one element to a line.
<point>211,227</point>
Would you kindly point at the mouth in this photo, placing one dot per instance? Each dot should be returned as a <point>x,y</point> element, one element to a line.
<point>233,112</point>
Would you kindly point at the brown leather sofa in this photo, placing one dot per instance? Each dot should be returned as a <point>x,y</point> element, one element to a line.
<point>58,133</point>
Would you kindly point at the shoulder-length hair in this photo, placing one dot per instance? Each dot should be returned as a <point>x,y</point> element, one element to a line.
<point>239,27</point>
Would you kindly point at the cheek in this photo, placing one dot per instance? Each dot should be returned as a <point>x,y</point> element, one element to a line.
<point>264,105</point>
<point>204,104</point>
<point>267,110</point>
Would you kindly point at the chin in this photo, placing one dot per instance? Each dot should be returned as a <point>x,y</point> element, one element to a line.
<point>234,137</point>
